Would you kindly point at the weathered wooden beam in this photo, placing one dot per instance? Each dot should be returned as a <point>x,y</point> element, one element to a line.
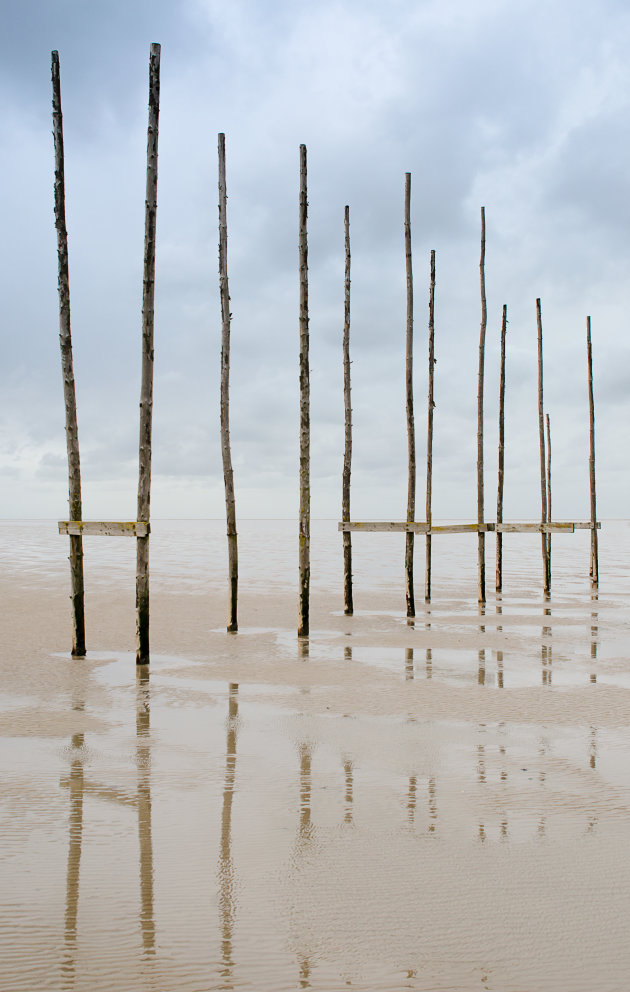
<point>369,526</point>
<point>348,607</point>
<point>305,414</point>
<point>411,431</point>
<point>65,341</point>
<point>422,527</point>
<point>481,547</point>
<point>594,566</point>
<point>430,409</point>
<point>413,527</point>
<point>226,452</point>
<point>146,393</point>
<point>105,528</point>
<point>501,469</point>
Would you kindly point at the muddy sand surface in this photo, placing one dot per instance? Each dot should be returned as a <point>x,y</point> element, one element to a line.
<point>386,806</point>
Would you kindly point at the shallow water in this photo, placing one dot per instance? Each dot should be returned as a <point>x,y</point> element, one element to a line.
<point>429,807</point>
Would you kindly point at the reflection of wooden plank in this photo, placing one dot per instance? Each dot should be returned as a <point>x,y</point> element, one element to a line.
<point>106,528</point>
<point>417,527</point>
<point>104,792</point>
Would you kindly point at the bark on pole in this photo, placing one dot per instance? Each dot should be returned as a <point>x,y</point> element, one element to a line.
<point>430,408</point>
<point>65,340</point>
<point>146,392</point>
<point>305,416</point>
<point>499,539</point>
<point>548,436</point>
<point>228,475</point>
<point>411,436</point>
<point>347,456</point>
<point>481,537</point>
<point>594,567</point>
<point>541,436</point>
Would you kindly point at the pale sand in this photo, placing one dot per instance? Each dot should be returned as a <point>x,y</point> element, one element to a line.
<point>444,806</point>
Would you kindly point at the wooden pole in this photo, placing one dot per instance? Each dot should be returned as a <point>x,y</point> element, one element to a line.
<point>228,475</point>
<point>548,433</point>
<point>430,408</point>
<point>499,539</point>
<point>305,416</point>
<point>481,537</point>
<point>411,436</point>
<point>348,608</point>
<point>146,392</point>
<point>541,436</point>
<point>594,567</point>
<point>65,341</point>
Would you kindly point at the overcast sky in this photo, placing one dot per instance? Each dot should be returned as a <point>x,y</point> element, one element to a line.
<point>519,105</point>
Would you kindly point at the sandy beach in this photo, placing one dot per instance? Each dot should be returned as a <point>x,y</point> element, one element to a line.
<point>436,806</point>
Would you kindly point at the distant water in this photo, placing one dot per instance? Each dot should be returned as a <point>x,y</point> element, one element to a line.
<point>195,553</point>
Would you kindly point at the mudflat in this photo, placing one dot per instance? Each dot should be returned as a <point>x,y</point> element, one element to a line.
<point>384,806</point>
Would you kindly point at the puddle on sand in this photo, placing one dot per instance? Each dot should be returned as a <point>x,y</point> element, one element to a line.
<point>250,847</point>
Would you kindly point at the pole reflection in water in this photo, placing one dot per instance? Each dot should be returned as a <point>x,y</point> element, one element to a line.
<point>481,775</point>
<point>499,609</point>
<point>305,830</point>
<point>592,749</point>
<point>349,796</point>
<point>145,836</point>
<point>546,651</point>
<point>76,785</point>
<point>305,972</point>
<point>594,635</point>
<point>432,806</point>
<point>411,800</point>
<point>305,752</point>
<point>409,674</point>
<point>227,904</point>
<point>481,673</point>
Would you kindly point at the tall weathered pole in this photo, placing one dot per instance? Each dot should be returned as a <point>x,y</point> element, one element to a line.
<point>481,537</point>
<point>548,436</point>
<point>65,340</point>
<point>305,415</point>
<point>594,567</point>
<point>146,392</point>
<point>411,435</point>
<point>228,475</point>
<point>541,437</point>
<point>430,408</point>
<point>347,455</point>
<point>499,537</point>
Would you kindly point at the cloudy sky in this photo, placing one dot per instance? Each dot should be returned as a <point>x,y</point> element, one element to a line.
<point>519,105</point>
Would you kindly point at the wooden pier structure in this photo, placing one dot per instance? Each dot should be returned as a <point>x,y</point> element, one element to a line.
<point>410,527</point>
<point>76,528</point>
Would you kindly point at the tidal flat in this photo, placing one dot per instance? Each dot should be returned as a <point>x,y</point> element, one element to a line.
<point>443,805</point>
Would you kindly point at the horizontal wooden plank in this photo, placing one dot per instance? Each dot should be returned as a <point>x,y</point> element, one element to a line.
<point>461,528</point>
<point>417,527</point>
<point>535,528</point>
<point>105,528</point>
<point>421,527</point>
<point>383,525</point>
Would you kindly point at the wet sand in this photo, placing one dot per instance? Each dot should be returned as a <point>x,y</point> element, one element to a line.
<point>384,807</point>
